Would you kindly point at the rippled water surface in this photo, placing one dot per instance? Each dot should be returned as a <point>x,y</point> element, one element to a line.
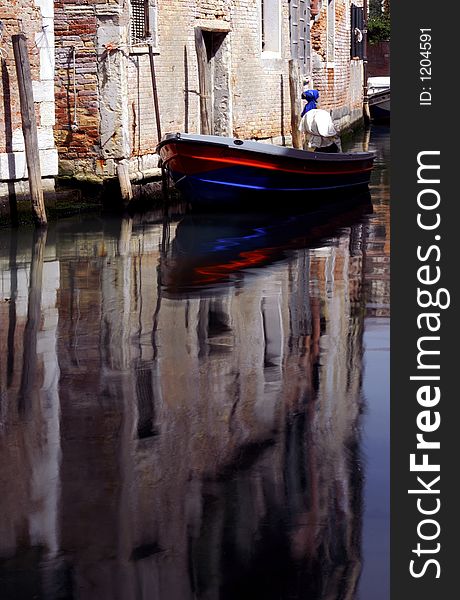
<point>198,410</point>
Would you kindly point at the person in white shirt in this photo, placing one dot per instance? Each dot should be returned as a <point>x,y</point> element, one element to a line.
<point>317,126</point>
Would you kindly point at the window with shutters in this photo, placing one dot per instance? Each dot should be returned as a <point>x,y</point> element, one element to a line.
<point>270,16</point>
<point>299,22</point>
<point>357,26</point>
<point>143,28</point>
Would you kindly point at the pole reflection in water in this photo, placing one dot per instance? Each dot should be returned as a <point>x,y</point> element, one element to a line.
<point>29,362</point>
<point>193,426</point>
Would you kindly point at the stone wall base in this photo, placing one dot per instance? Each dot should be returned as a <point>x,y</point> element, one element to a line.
<point>345,120</point>
<point>19,192</point>
<point>21,189</point>
<point>92,170</point>
<point>96,171</point>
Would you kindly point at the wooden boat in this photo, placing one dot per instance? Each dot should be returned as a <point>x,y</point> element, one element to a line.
<point>218,169</point>
<point>379,98</point>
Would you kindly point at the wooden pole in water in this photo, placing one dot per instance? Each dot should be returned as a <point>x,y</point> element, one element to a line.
<point>155,92</point>
<point>126,188</point>
<point>295,91</point>
<point>126,232</point>
<point>29,127</point>
<point>164,181</point>
<point>204,83</point>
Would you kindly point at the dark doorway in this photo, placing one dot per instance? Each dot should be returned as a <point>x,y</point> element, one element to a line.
<point>213,55</point>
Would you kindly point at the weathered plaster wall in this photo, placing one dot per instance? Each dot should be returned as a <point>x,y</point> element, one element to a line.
<point>251,91</point>
<point>113,83</point>
<point>261,92</point>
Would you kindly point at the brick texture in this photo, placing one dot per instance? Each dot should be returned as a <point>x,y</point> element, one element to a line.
<point>251,87</point>
<point>378,56</point>
<point>259,87</point>
<point>337,78</point>
<point>77,115</point>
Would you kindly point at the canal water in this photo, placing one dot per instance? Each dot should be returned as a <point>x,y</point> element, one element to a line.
<point>198,409</point>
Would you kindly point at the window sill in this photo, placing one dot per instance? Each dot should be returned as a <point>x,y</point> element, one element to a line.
<point>270,55</point>
<point>143,49</point>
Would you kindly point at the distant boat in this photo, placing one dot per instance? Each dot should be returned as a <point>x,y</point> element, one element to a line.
<point>217,170</point>
<point>378,90</point>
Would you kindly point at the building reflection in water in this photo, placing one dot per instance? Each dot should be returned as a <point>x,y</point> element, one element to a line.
<point>164,439</point>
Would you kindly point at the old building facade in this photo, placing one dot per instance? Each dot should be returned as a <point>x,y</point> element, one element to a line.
<point>233,53</point>
<point>232,56</point>
<point>337,53</point>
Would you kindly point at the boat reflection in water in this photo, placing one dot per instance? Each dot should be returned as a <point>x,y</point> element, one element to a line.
<point>213,249</point>
<point>190,430</point>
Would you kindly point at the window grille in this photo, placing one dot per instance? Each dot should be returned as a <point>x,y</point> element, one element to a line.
<point>143,13</point>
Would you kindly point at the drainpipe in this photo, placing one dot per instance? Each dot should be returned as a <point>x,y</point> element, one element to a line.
<point>366,112</point>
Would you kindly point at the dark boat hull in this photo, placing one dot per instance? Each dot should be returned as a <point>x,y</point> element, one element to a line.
<point>379,105</point>
<point>212,169</point>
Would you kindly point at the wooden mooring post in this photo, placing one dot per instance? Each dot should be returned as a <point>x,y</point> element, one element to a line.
<point>126,189</point>
<point>204,80</point>
<point>29,127</point>
<point>295,92</point>
<point>155,92</point>
<point>164,175</point>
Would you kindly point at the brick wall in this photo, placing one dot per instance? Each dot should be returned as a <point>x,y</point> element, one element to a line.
<point>35,19</point>
<point>261,93</point>
<point>378,56</point>
<point>10,112</point>
<point>337,78</point>
<point>256,103</point>
<point>259,87</point>
<point>77,115</point>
